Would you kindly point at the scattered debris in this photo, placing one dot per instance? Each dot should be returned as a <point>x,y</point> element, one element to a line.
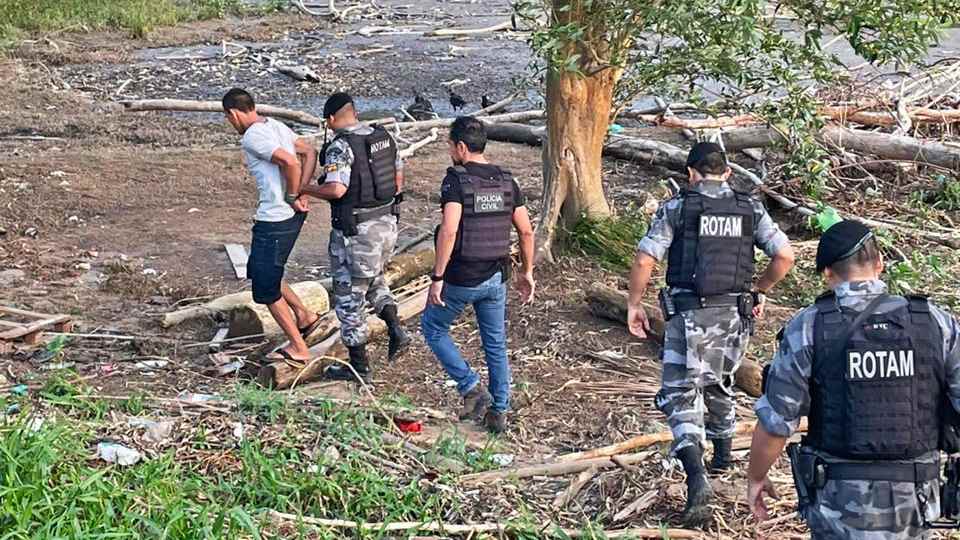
<point>118,454</point>
<point>29,330</point>
<point>238,258</point>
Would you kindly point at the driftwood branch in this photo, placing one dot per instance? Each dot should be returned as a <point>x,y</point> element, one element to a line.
<point>452,32</point>
<point>521,116</point>
<point>410,150</point>
<point>502,104</point>
<point>555,469</point>
<point>186,105</point>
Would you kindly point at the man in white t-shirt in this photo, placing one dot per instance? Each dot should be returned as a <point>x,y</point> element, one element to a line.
<point>273,155</point>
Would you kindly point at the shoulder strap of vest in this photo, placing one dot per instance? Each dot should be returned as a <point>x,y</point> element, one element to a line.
<point>458,170</point>
<point>827,303</point>
<point>918,303</point>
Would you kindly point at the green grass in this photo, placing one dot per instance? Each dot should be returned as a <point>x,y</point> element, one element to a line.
<point>138,17</point>
<point>51,488</point>
<point>612,241</point>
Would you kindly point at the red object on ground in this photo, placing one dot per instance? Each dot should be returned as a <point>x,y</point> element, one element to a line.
<point>409,426</point>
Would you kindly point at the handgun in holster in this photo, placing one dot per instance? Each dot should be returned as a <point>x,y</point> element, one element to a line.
<point>395,207</point>
<point>809,475</point>
<point>950,489</point>
<point>667,306</point>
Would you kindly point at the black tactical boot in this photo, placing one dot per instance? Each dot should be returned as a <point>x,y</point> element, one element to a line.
<point>359,363</point>
<point>399,339</point>
<point>722,460</point>
<point>474,403</point>
<point>699,492</point>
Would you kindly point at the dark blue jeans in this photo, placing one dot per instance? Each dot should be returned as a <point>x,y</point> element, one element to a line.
<point>489,300</point>
<point>269,249</point>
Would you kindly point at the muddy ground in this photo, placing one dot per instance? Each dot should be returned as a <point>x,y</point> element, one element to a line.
<point>116,218</point>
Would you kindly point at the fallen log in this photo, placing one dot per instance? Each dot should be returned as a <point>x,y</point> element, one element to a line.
<point>520,116</point>
<point>502,104</point>
<point>749,377</point>
<point>609,303</point>
<point>250,318</point>
<point>186,105</point>
<point>516,133</point>
<point>838,113</point>
<point>282,375</point>
<point>553,469</point>
<point>474,529</point>
<point>313,294</point>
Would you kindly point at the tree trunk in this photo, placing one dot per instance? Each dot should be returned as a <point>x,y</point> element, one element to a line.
<point>578,113</point>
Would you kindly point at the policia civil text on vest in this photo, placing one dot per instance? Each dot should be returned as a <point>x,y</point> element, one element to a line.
<point>373,190</point>
<point>486,220</point>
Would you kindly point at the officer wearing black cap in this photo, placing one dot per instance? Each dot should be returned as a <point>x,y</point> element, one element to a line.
<point>876,375</point>
<point>363,180</point>
<point>707,233</point>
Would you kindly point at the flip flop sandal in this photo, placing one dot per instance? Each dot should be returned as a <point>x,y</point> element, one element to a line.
<point>283,356</point>
<point>312,327</point>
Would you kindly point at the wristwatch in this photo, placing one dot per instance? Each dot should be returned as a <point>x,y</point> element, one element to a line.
<point>435,278</point>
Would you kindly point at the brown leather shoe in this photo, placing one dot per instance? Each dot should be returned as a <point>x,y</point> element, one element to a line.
<point>474,403</point>
<point>495,422</point>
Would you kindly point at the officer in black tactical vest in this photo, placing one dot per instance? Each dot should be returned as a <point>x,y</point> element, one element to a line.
<point>481,203</point>
<point>878,376</point>
<point>364,183</point>
<point>707,233</point>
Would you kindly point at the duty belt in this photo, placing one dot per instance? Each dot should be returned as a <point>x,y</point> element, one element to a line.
<point>367,214</point>
<point>687,301</point>
<point>883,472</point>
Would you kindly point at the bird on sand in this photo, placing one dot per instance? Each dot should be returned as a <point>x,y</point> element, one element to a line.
<point>485,102</point>
<point>456,101</point>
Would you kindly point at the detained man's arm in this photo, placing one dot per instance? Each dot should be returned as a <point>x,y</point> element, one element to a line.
<point>309,153</point>
<point>525,282</point>
<point>446,239</point>
<point>329,191</point>
<point>640,272</point>
<point>764,451</point>
<point>289,167</point>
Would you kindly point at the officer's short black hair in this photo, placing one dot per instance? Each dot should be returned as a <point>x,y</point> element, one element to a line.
<point>238,99</point>
<point>471,132</point>
<point>865,257</point>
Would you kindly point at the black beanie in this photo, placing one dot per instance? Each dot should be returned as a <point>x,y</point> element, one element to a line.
<point>335,102</point>
<point>843,239</point>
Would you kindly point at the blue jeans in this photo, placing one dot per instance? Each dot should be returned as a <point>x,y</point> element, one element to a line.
<point>489,300</point>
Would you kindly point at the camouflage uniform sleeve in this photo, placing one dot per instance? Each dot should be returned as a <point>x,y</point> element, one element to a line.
<point>951,353</point>
<point>787,396</point>
<point>337,162</point>
<point>660,233</point>
<point>767,234</point>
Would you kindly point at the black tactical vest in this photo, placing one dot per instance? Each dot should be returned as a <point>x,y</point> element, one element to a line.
<point>488,204</point>
<point>877,396</point>
<point>372,175</point>
<point>712,252</point>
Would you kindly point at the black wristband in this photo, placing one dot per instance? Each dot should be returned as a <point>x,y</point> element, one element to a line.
<point>291,198</point>
<point>435,278</point>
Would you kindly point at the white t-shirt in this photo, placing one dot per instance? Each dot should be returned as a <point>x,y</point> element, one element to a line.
<point>259,143</point>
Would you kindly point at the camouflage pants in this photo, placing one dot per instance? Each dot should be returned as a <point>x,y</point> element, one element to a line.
<point>701,351</point>
<point>356,264</point>
<point>873,510</point>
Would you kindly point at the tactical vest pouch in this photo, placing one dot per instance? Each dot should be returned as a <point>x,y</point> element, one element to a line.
<point>486,221</point>
<point>381,154</point>
<point>874,389</point>
<point>712,252</point>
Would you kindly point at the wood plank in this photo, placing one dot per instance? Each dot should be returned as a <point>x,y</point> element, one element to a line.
<point>25,313</point>
<point>238,258</point>
<point>10,324</point>
<point>33,327</point>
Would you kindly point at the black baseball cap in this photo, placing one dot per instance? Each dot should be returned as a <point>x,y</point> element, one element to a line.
<point>701,151</point>
<point>843,239</point>
<point>336,102</point>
